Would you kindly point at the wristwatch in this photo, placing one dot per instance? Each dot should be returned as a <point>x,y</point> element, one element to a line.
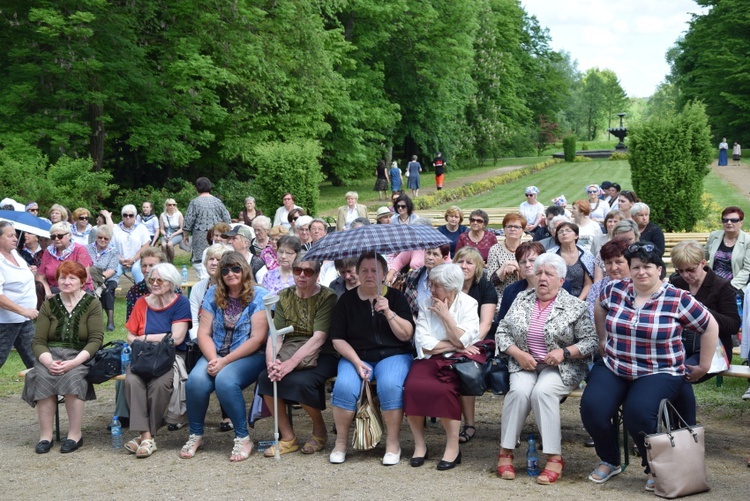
<point>566,353</point>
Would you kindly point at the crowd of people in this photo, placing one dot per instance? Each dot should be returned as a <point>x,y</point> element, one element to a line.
<point>564,294</point>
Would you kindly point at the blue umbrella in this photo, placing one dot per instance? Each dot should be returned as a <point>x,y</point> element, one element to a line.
<point>24,221</point>
<point>379,238</point>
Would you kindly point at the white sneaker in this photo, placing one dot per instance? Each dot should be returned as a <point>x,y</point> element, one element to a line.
<point>337,457</point>
<point>746,396</point>
<point>392,458</point>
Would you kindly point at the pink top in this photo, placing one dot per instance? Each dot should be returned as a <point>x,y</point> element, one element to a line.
<point>535,337</point>
<point>48,266</point>
<point>415,259</point>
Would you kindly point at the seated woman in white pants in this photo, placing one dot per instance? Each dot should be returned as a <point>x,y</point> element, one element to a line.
<point>549,336</point>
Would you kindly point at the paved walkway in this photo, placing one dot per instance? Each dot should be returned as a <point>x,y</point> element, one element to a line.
<point>737,176</point>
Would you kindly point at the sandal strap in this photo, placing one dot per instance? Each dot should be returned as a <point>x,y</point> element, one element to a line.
<point>239,443</point>
<point>192,440</point>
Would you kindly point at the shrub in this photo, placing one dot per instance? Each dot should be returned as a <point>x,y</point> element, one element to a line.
<point>569,148</point>
<point>581,158</point>
<point>289,167</point>
<point>669,158</point>
<point>618,155</point>
<point>584,146</point>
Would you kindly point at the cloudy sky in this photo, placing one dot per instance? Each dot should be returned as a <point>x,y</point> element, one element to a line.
<point>630,37</point>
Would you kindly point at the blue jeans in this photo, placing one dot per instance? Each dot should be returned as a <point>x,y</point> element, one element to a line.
<point>228,384</point>
<point>390,373</point>
<point>18,335</point>
<point>640,399</point>
<point>135,270</point>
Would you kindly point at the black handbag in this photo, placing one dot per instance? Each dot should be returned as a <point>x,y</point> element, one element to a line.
<point>151,360</point>
<point>193,353</point>
<point>470,377</point>
<point>497,375</point>
<point>106,363</point>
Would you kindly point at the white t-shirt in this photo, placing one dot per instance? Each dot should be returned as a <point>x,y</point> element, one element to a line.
<point>129,242</point>
<point>587,233</point>
<point>601,210</point>
<point>282,217</point>
<point>531,212</point>
<point>17,284</point>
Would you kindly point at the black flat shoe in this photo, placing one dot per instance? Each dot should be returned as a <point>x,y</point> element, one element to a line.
<point>416,462</point>
<point>589,442</point>
<point>449,465</point>
<point>70,445</point>
<point>44,446</point>
<point>224,426</point>
<point>175,426</point>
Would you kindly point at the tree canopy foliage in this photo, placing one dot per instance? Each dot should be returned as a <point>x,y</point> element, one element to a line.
<point>710,63</point>
<point>157,90</point>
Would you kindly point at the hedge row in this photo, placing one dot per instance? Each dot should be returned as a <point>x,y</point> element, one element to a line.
<point>479,187</point>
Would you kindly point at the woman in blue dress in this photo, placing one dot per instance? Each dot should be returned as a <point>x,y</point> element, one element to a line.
<point>414,168</point>
<point>723,147</point>
<point>396,180</point>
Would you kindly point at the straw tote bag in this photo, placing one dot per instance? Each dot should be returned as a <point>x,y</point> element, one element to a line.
<point>676,455</point>
<point>368,424</point>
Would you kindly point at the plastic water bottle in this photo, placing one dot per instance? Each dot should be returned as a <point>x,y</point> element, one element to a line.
<point>184,274</point>
<point>116,431</point>
<point>125,357</point>
<point>532,458</point>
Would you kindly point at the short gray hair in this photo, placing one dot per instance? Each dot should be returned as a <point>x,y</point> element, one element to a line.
<point>423,221</point>
<point>625,226</point>
<point>553,260</point>
<point>104,231</point>
<point>638,207</point>
<point>249,199</point>
<point>130,209</point>
<point>261,222</point>
<point>168,273</point>
<point>352,194</point>
<point>61,226</point>
<point>448,275</point>
<point>215,250</point>
<point>557,220</point>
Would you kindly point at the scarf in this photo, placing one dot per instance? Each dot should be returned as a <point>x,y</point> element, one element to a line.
<point>84,233</point>
<point>65,253</point>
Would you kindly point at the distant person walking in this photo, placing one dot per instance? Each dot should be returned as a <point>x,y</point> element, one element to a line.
<point>381,181</point>
<point>439,165</point>
<point>736,153</point>
<point>203,212</point>
<point>723,147</point>
<point>412,172</point>
<point>396,179</point>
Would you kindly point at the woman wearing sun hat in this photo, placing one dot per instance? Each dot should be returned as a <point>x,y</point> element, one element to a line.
<point>532,209</point>
<point>599,206</point>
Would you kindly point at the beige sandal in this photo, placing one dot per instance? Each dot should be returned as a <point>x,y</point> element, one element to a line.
<point>285,447</point>
<point>194,443</point>
<point>147,447</point>
<point>314,444</point>
<point>238,451</point>
<point>133,445</point>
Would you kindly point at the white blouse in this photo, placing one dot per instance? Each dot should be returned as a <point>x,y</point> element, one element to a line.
<point>430,329</point>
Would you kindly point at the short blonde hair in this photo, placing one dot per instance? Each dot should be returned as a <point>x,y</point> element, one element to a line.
<point>474,255</point>
<point>454,210</point>
<point>687,253</point>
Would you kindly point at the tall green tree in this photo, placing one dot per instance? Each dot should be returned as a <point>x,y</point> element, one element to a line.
<point>614,98</point>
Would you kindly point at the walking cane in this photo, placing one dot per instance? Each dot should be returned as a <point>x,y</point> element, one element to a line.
<point>269,301</point>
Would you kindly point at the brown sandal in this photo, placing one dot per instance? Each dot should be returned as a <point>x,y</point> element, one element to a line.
<point>314,444</point>
<point>506,471</point>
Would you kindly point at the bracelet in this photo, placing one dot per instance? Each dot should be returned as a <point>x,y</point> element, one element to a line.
<point>392,317</point>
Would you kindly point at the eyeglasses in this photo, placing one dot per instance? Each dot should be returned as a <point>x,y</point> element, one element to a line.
<point>155,281</point>
<point>57,236</point>
<point>530,194</point>
<point>400,206</point>
<point>726,220</point>
<point>234,269</point>
<point>637,247</point>
<point>83,218</point>
<point>103,238</point>
<point>513,227</point>
<point>564,231</point>
<point>478,220</point>
<point>308,272</point>
<point>128,215</point>
<point>686,270</point>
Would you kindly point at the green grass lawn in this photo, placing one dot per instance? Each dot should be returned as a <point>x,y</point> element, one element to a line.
<point>332,197</point>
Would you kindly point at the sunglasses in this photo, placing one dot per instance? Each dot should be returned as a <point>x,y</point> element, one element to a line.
<point>33,210</point>
<point>308,272</point>
<point>128,215</point>
<point>103,238</point>
<point>58,236</point>
<point>637,247</point>
<point>592,192</point>
<point>686,270</point>
<point>476,220</point>
<point>295,218</point>
<point>234,269</point>
<point>171,205</point>
<point>401,206</point>
<point>83,218</point>
<point>726,220</point>
<point>155,281</point>
<point>530,194</point>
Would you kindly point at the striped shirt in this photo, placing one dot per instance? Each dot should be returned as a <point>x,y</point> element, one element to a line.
<point>535,339</point>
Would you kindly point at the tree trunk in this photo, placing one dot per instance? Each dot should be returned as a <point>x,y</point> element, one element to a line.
<point>98,135</point>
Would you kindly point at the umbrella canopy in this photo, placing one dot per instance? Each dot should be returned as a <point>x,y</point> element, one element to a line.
<point>380,238</point>
<point>24,221</point>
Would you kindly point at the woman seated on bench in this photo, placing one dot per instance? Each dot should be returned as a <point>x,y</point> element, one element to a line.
<point>549,336</point>
<point>69,330</point>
